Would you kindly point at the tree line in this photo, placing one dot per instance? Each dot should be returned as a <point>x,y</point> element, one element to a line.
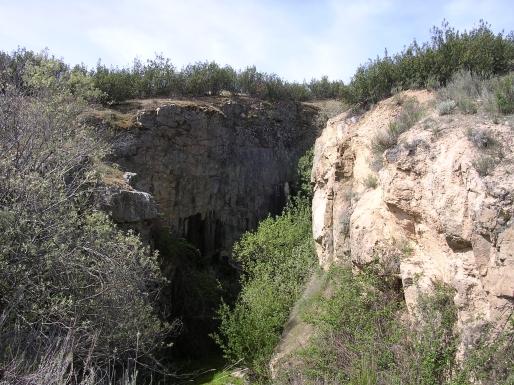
<point>430,64</point>
<point>158,77</point>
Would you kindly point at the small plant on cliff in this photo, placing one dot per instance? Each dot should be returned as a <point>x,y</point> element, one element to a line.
<point>446,107</point>
<point>409,115</point>
<point>371,181</point>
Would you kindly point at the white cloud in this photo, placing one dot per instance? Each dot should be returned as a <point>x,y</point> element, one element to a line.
<point>296,39</point>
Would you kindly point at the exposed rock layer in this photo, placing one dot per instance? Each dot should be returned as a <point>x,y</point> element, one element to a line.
<point>217,168</point>
<point>432,216</point>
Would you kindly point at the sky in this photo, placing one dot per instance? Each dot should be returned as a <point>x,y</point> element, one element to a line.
<point>298,40</point>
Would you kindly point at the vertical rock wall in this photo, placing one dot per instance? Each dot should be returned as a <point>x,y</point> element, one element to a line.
<point>217,168</point>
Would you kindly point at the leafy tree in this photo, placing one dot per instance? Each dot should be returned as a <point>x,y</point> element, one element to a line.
<point>65,268</point>
<point>434,63</point>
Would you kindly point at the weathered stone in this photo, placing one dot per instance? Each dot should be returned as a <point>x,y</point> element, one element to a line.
<point>217,167</point>
<point>131,206</point>
<point>457,224</point>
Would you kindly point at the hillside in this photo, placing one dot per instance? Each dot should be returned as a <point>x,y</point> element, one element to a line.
<point>210,224</point>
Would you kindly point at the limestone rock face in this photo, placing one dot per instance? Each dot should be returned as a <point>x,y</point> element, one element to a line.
<point>217,168</point>
<point>431,217</point>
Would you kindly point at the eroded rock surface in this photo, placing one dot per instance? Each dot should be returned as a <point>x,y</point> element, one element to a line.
<point>130,208</point>
<point>431,217</point>
<point>217,168</point>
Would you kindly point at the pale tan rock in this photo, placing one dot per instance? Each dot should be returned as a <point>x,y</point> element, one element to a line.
<point>458,224</point>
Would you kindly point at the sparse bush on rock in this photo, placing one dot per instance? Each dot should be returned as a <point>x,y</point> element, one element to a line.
<point>371,181</point>
<point>410,114</point>
<point>446,107</point>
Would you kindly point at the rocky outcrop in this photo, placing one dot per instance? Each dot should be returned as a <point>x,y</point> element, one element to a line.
<point>131,209</point>
<point>425,208</point>
<point>216,167</point>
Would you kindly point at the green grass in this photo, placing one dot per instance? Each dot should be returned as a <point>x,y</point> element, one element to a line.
<point>221,377</point>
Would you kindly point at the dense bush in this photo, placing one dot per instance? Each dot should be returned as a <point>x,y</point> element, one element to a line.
<point>434,63</point>
<point>356,325</point>
<point>32,73</point>
<point>504,92</point>
<point>66,271</point>
<point>480,51</point>
<point>159,77</point>
<point>276,260</point>
<point>362,338</point>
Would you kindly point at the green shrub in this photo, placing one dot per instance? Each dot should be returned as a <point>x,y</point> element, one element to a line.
<point>65,268</point>
<point>490,361</point>
<point>356,327</point>
<point>360,337</point>
<point>276,260</point>
<point>505,94</point>
<point>156,77</point>
<point>33,73</point>
<point>446,107</point>
<point>159,77</point>
<point>435,342</point>
<point>479,51</point>
<point>304,186</point>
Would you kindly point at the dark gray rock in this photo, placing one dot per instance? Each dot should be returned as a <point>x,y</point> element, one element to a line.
<point>214,170</point>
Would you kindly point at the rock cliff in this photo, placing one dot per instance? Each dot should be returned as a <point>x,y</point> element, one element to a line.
<point>437,206</point>
<point>216,166</point>
<point>207,170</point>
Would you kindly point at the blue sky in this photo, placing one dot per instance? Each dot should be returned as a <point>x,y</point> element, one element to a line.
<point>296,39</point>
